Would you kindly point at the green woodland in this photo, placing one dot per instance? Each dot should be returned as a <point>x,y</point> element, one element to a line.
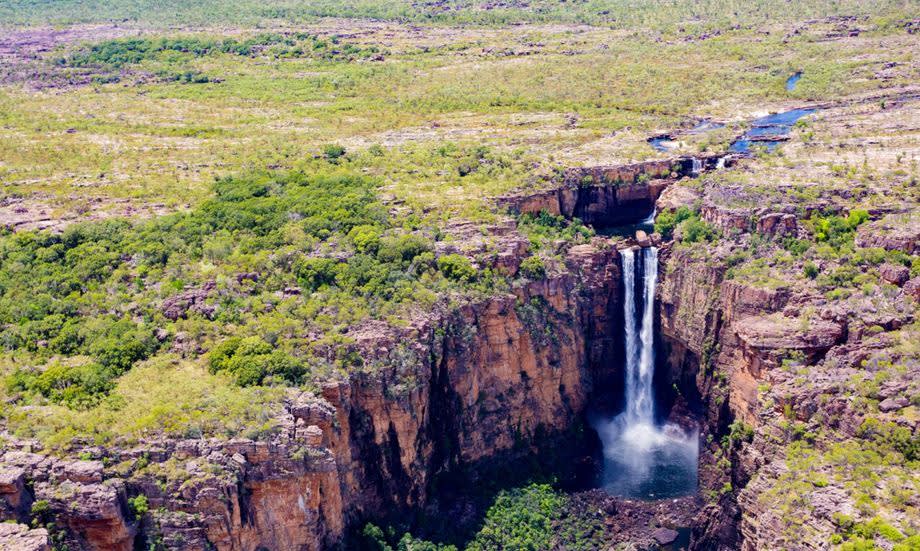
<point>325,234</point>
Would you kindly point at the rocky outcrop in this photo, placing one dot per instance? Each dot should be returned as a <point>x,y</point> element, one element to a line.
<point>18,537</point>
<point>607,195</point>
<point>435,404</point>
<point>896,275</point>
<point>736,338</point>
<point>895,232</point>
<point>15,501</point>
<point>778,223</point>
<point>190,300</point>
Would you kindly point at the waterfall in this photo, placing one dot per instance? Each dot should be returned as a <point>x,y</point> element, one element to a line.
<point>721,163</point>
<point>650,219</point>
<point>640,352</point>
<point>697,166</point>
<point>641,458</point>
<point>629,324</point>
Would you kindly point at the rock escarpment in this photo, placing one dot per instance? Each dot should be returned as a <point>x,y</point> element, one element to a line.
<point>784,364</point>
<point>438,401</point>
<point>608,195</point>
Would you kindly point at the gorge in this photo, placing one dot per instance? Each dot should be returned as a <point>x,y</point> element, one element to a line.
<point>497,385</point>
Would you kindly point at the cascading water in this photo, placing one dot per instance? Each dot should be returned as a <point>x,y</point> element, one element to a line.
<point>642,459</point>
<point>697,166</point>
<point>640,363</point>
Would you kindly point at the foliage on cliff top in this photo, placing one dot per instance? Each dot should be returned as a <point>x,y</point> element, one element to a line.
<point>165,396</point>
<point>272,273</point>
<point>520,518</point>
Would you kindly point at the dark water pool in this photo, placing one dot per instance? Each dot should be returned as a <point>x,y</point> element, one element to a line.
<point>647,225</point>
<point>648,462</point>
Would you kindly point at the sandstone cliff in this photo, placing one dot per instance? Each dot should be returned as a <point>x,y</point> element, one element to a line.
<point>442,399</point>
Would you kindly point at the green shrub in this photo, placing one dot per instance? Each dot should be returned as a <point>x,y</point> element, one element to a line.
<point>139,505</point>
<point>456,267</point>
<point>695,230</point>
<point>520,519</point>
<point>316,272</point>
<point>811,270</point>
<point>40,513</point>
<point>797,247</point>
<point>836,230</point>
<point>402,249</point>
<point>333,152</point>
<point>78,387</point>
<point>545,228</point>
<point>667,220</point>
<point>532,267</point>
<point>365,238</point>
<point>251,360</point>
<point>120,345</point>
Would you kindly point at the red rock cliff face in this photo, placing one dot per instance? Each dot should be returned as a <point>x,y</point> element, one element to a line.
<point>487,379</point>
<point>606,195</point>
<point>736,336</point>
<point>480,383</point>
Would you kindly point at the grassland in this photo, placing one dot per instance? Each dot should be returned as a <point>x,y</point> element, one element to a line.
<point>614,13</point>
<point>538,97</point>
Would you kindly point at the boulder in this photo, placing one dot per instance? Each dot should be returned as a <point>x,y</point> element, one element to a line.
<point>642,239</point>
<point>893,404</point>
<point>778,223</point>
<point>912,288</point>
<point>85,472</point>
<point>894,274</point>
<point>664,536</point>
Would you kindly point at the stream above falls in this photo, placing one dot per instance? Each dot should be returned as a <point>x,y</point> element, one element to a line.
<point>770,130</point>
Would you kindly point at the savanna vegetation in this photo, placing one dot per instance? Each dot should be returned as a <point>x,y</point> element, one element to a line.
<point>269,275</point>
<point>616,13</point>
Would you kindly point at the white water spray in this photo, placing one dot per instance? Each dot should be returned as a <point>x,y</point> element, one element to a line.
<point>697,166</point>
<point>650,219</point>
<point>642,458</point>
